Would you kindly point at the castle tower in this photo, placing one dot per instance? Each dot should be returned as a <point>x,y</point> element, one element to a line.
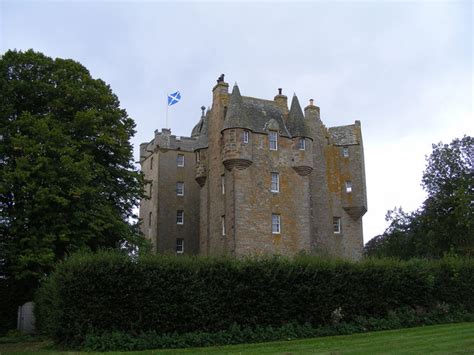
<point>258,178</point>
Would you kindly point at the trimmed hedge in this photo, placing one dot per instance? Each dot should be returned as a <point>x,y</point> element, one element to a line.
<point>403,318</point>
<point>108,292</point>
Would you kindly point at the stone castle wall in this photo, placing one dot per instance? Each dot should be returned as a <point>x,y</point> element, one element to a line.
<point>236,218</point>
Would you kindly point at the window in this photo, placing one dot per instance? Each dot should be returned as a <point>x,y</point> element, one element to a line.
<point>151,163</point>
<point>302,144</point>
<point>198,156</point>
<point>179,217</point>
<point>180,188</point>
<point>180,160</point>
<point>273,139</point>
<point>336,225</point>
<point>246,136</point>
<point>223,225</point>
<point>180,246</point>
<point>223,183</point>
<point>345,152</point>
<point>149,219</point>
<point>151,189</point>
<point>348,186</point>
<point>275,223</point>
<point>275,187</point>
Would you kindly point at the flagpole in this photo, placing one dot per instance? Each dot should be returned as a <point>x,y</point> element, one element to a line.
<point>167,105</point>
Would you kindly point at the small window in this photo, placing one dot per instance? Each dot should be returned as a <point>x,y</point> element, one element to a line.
<point>345,152</point>
<point>275,223</point>
<point>246,136</point>
<point>180,188</point>
<point>151,163</point>
<point>302,144</point>
<point>223,183</point>
<point>275,186</point>
<point>149,219</point>
<point>180,246</point>
<point>179,217</point>
<point>273,140</point>
<point>151,189</point>
<point>336,225</point>
<point>198,156</point>
<point>348,186</point>
<point>223,225</point>
<point>180,160</point>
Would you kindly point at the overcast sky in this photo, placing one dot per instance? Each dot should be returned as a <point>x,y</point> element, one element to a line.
<point>404,69</point>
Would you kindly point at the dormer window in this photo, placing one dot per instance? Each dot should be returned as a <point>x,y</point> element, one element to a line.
<point>273,140</point>
<point>246,137</point>
<point>302,144</point>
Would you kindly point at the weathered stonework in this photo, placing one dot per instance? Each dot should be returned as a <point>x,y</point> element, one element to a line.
<point>228,201</point>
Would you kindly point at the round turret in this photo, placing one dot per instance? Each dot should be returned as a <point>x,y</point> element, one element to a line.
<point>237,148</point>
<point>302,161</point>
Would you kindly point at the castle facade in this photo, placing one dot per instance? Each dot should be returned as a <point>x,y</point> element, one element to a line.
<point>255,177</point>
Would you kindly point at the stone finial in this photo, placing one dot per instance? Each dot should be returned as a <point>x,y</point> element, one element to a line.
<point>279,91</point>
<point>220,79</point>
<point>311,102</point>
<point>203,108</point>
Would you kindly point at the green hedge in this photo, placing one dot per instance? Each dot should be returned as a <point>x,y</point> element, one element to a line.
<point>108,292</point>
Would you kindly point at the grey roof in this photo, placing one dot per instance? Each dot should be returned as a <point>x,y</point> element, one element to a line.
<point>253,114</point>
<point>202,139</point>
<point>197,128</point>
<point>344,135</point>
<point>296,122</point>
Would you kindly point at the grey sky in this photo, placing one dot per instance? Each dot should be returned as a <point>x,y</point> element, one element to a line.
<point>403,68</point>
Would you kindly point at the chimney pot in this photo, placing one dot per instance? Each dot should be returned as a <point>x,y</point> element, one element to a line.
<point>311,102</point>
<point>279,91</point>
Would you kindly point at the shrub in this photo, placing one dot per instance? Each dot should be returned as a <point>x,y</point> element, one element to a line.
<point>108,293</point>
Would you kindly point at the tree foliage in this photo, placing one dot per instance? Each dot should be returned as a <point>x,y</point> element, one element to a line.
<point>445,221</point>
<point>67,178</point>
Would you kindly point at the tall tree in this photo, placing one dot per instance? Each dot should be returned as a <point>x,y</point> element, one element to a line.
<point>445,221</point>
<point>67,178</point>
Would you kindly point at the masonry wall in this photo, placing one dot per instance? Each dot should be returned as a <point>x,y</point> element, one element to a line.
<point>340,169</point>
<point>168,203</point>
<point>215,243</point>
<point>255,203</point>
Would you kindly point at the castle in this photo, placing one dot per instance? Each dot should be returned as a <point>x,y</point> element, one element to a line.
<point>255,178</point>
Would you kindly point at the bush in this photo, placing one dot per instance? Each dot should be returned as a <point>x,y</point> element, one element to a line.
<point>90,295</point>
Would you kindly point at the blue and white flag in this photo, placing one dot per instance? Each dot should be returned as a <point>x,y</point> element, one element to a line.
<point>174,98</point>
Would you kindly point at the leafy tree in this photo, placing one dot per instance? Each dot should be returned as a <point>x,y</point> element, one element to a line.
<point>445,221</point>
<point>67,178</point>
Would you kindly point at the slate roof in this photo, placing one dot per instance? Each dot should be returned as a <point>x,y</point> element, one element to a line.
<point>202,140</point>
<point>344,135</point>
<point>253,114</point>
<point>296,122</point>
<point>197,128</point>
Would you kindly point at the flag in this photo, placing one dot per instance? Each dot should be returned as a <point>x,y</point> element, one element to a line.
<point>174,98</point>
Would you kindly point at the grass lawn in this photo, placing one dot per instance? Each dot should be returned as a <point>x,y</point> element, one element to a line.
<point>438,339</point>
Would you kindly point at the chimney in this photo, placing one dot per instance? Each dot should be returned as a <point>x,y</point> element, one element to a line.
<point>312,111</point>
<point>220,92</point>
<point>281,101</point>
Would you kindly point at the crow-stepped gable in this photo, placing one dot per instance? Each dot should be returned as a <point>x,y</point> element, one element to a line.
<point>255,178</point>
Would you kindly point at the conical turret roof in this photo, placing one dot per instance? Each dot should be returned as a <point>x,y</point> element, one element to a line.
<point>236,116</point>
<point>296,123</point>
<point>202,139</point>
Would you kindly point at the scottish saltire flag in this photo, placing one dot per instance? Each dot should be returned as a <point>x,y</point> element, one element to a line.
<point>174,98</point>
